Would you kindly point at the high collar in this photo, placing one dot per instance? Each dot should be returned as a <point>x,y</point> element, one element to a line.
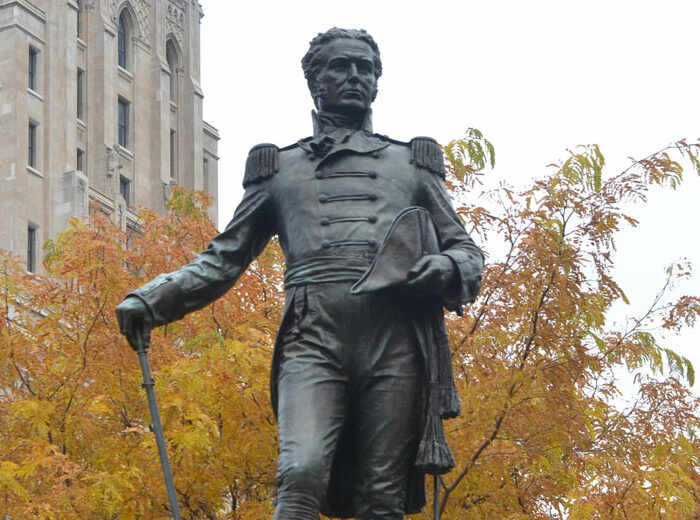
<point>328,122</point>
<point>329,139</point>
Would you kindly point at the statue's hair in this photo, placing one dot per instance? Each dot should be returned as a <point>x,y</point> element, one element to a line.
<point>311,63</point>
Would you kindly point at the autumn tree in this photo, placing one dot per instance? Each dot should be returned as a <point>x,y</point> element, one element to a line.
<point>542,434</point>
<point>74,424</point>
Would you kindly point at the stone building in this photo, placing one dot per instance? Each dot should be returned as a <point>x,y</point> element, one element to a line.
<point>100,102</point>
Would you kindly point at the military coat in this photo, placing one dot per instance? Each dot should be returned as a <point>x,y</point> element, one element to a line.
<point>331,199</point>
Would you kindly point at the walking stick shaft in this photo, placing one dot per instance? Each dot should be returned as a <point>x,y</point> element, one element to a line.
<point>158,430</point>
<point>436,497</point>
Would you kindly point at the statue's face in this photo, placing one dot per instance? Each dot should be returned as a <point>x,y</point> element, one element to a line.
<point>346,82</point>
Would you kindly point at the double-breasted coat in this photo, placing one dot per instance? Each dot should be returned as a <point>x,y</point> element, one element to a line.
<point>331,199</point>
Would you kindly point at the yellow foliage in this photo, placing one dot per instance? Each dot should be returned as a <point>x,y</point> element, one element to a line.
<point>539,436</point>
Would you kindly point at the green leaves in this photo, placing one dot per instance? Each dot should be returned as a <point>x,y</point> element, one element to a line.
<point>9,482</point>
<point>645,351</point>
<point>680,366</point>
<point>584,168</point>
<point>469,156</point>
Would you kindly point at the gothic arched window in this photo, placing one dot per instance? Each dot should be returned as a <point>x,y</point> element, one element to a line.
<point>171,56</point>
<point>123,34</point>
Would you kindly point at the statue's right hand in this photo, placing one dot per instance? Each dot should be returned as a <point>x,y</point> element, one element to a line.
<point>135,322</point>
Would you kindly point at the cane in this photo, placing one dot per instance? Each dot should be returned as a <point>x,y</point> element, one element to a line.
<point>158,427</point>
<point>436,497</point>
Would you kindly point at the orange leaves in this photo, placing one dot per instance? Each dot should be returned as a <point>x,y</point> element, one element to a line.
<point>544,433</point>
<point>74,423</point>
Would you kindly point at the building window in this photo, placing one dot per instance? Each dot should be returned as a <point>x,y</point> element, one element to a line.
<point>125,188</point>
<point>171,57</point>
<point>80,160</point>
<point>173,154</point>
<point>123,122</point>
<point>33,68</point>
<point>32,145</point>
<point>122,38</point>
<point>205,174</point>
<point>80,93</point>
<point>31,248</point>
<point>80,26</point>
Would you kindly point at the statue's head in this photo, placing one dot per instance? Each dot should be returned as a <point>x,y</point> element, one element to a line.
<point>342,67</point>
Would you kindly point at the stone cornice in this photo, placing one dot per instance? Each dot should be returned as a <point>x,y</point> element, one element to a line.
<point>28,7</point>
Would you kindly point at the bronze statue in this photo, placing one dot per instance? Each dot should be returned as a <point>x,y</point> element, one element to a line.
<point>361,377</point>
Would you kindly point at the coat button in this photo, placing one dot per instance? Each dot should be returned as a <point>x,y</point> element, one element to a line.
<point>319,175</point>
<point>326,245</point>
<point>372,197</point>
<point>325,222</point>
<point>372,243</point>
<point>323,198</point>
<point>373,219</point>
<point>372,175</point>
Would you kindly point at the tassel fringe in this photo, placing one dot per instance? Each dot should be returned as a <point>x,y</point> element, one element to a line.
<point>448,400</point>
<point>435,457</point>
<point>450,406</point>
<point>434,454</point>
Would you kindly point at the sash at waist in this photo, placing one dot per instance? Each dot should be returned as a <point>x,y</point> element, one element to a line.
<point>323,269</point>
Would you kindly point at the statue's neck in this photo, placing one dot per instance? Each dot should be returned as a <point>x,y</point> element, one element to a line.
<point>325,122</point>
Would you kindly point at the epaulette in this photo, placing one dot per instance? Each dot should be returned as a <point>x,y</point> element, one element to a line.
<point>426,153</point>
<point>262,163</point>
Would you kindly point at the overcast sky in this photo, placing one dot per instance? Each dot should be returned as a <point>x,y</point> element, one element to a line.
<point>536,77</point>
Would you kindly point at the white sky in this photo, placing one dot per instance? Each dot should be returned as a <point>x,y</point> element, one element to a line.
<point>536,77</point>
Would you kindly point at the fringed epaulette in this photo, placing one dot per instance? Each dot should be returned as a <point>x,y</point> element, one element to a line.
<point>426,153</point>
<point>262,163</point>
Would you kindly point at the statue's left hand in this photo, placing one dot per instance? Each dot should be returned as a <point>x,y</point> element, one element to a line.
<point>432,274</point>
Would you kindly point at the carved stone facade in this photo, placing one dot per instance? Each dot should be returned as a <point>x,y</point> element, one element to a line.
<point>98,113</point>
<point>175,20</point>
<point>141,9</point>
